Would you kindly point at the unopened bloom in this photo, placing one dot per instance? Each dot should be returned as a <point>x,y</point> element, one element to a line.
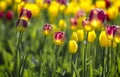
<point>62,24</point>
<point>91,36</point>
<point>25,14</point>
<point>21,24</point>
<point>59,38</point>
<point>74,36</point>
<point>47,28</point>
<point>80,34</point>
<point>73,46</point>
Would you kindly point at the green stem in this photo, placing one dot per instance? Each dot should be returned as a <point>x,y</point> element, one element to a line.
<point>17,57</point>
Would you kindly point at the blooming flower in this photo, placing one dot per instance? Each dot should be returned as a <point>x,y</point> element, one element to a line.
<point>9,15</point>
<point>59,38</point>
<point>73,23</point>
<point>97,18</point>
<point>117,35</point>
<point>25,14</point>
<point>1,14</point>
<point>62,1</point>
<point>72,46</point>
<point>47,29</point>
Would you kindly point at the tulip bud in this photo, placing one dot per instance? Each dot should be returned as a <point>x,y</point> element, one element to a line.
<point>103,40</point>
<point>59,38</point>
<point>74,36</point>
<point>21,24</point>
<point>91,36</point>
<point>25,14</point>
<point>73,47</point>
<point>47,29</point>
<point>62,24</point>
<point>80,34</point>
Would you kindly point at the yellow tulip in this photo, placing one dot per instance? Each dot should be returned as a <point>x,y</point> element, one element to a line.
<point>91,36</point>
<point>34,9</point>
<point>62,24</point>
<point>73,46</point>
<point>3,5</point>
<point>62,8</point>
<point>74,36</point>
<point>100,4</point>
<point>112,12</point>
<point>80,34</point>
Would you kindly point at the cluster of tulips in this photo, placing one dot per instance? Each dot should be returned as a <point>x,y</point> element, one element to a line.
<point>76,38</point>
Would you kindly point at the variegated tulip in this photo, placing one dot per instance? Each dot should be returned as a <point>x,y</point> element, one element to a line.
<point>59,38</point>
<point>47,28</point>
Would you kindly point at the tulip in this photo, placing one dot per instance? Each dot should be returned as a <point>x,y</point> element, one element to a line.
<point>100,4</point>
<point>86,25</point>
<point>25,14</point>
<point>59,38</point>
<point>73,46</point>
<point>21,24</point>
<point>47,29</point>
<point>80,34</point>
<point>103,40</point>
<point>97,18</point>
<point>9,15</point>
<point>110,30</point>
<point>91,36</point>
<point>62,1</point>
<point>74,36</point>
<point>112,13</point>
<point>34,8</point>
<point>117,35</point>
<point>62,24</point>
<point>3,5</point>
<point>1,14</point>
<point>73,23</point>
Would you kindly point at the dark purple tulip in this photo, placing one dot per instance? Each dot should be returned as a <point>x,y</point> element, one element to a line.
<point>108,3</point>
<point>97,14</point>
<point>1,14</point>
<point>25,13</point>
<point>62,1</point>
<point>47,1</point>
<point>22,23</point>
